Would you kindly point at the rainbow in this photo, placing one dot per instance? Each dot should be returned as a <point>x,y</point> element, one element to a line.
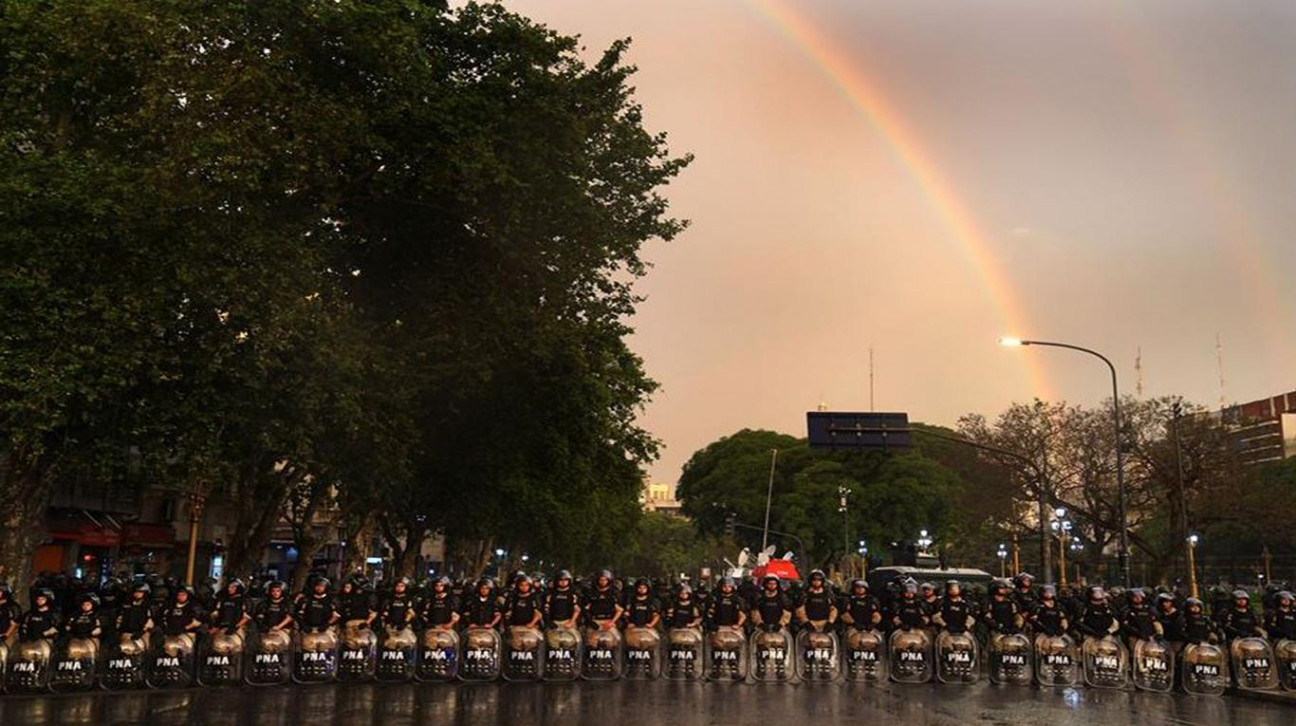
<point>882,116</point>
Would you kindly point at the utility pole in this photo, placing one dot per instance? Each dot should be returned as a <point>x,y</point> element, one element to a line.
<point>769,497</point>
<point>1181,497</point>
<point>196,502</point>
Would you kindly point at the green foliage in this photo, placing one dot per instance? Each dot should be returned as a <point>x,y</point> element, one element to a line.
<point>384,243</point>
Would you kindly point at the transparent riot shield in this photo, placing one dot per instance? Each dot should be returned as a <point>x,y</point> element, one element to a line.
<point>482,653</point>
<point>220,659</point>
<point>562,654</point>
<point>865,655</point>
<point>316,659</point>
<point>771,655</point>
<point>124,662</point>
<point>1010,659</point>
<point>1205,669</point>
<point>438,657</point>
<point>4,662</point>
<point>911,656</point>
<point>818,655</point>
<point>957,658</point>
<point>1153,664</point>
<point>726,654</point>
<point>396,655</point>
<point>1253,664</point>
<point>269,658</point>
<point>171,661</point>
<point>602,654</point>
<point>357,653</point>
<point>1285,654</point>
<point>684,654</point>
<point>30,664</point>
<point>523,654</point>
<point>1106,662</point>
<point>1057,660</point>
<point>75,665</point>
<point>643,648</point>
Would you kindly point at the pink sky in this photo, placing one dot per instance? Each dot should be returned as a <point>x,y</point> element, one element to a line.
<point>1130,168</point>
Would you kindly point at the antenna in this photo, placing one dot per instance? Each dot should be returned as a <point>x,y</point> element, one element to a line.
<point>1219,365</point>
<point>1138,371</point>
<point>871,406</point>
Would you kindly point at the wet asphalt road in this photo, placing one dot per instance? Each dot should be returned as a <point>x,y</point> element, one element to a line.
<point>636,704</point>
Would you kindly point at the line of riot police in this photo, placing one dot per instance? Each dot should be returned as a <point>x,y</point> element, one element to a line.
<point>531,630</point>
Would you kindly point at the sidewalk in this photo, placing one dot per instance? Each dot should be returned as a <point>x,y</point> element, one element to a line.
<point>1287,698</point>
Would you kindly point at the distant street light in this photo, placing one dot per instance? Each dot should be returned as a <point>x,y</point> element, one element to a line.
<point>1003,560</point>
<point>924,541</point>
<point>1124,554</point>
<point>1192,564</point>
<point>1062,530</point>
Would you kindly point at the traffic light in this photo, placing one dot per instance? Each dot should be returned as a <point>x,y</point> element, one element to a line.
<point>730,521</point>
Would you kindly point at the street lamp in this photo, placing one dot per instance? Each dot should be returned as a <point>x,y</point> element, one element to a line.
<point>924,541</point>
<point>863,553</point>
<point>1192,563</point>
<point>1003,560</point>
<point>842,493</point>
<point>1124,554</point>
<point>769,497</point>
<point>1062,530</point>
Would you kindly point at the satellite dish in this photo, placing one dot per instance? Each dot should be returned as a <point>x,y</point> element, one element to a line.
<point>744,557</point>
<point>788,555</point>
<point>768,552</point>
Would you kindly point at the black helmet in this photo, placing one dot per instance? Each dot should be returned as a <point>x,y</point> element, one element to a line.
<point>563,575</point>
<point>237,584</point>
<point>767,579</point>
<point>321,580</point>
<point>1136,593</point>
<point>684,590</point>
<point>360,582</point>
<point>727,581</point>
<point>817,575</point>
<point>952,585</point>
<point>1048,592</point>
<point>91,598</point>
<point>521,577</point>
<point>928,587</point>
<point>604,574</point>
<point>910,585</point>
<point>1241,595</point>
<point>276,584</point>
<point>1164,598</point>
<point>1193,602</point>
<point>46,593</point>
<point>485,582</point>
<point>859,583</point>
<point>443,581</point>
<point>186,589</point>
<point>1023,579</point>
<point>1000,586</point>
<point>642,582</point>
<point>142,586</point>
<point>1096,593</point>
<point>403,581</point>
<point>1283,595</point>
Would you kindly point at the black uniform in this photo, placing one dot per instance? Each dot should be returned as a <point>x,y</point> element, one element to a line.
<point>133,617</point>
<point>438,609</point>
<point>1281,624</point>
<point>560,604</point>
<point>818,605</point>
<point>771,607</point>
<point>1139,622</point>
<point>1097,621</point>
<point>681,614</point>
<point>1026,600</point>
<point>1239,623</point>
<point>1001,616</point>
<point>725,609</point>
<point>601,604</point>
<point>315,612</point>
<point>1172,625</point>
<point>1196,627</point>
<point>355,605</point>
<point>10,613</point>
<point>955,613</point>
<point>273,612</point>
<point>908,614</point>
<point>37,624</point>
<point>861,609</point>
<point>228,612</point>
<point>84,625</point>
<point>177,618</point>
<point>1048,618</point>
<point>521,607</point>
<point>395,612</point>
<point>640,611</point>
<point>478,610</point>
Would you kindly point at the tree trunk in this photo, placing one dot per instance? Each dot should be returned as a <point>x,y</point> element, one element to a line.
<point>470,555</point>
<point>357,542</point>
<point>25,492</point>
<point>257,519</point>
<point>307,548</point>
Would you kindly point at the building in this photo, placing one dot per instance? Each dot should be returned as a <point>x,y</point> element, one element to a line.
<point>1264,430</point>
<point>657,497</point>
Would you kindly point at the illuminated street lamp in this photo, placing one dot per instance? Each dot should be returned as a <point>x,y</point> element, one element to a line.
<point>1003,560</point>
<point>1123,554</point>
<point>1062,530</point>
<point>1192,563</point>
<point>924,541</point>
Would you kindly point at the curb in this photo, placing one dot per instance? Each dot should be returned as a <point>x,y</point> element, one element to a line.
<point>1285,698</point>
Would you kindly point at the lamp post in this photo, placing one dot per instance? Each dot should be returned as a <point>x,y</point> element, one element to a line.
<point>1062,530</point>
<point>1192,564</point>
<point>1076,547</point>
<point>1124,554</point>
<point>769,497</point>
<point>1003,560</point>
<point>924,541</point>
<point>863,553</point>
<point>842,493</point>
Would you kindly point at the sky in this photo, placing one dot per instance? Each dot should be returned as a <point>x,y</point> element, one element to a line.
<point>922,177</point>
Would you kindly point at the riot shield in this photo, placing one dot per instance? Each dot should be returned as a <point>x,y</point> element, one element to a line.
<point>438,657</point>
<point>269,658</point>
<point>818,655</point>
<point>482,651</point>
<point>1105,662</point>
<point>30,665</point>
<point>911,656</point>
<point>397,654</point>
<point>562,654</point>
<point>171,663</point>
<point>523,654</point>
<point>4,662</point>
<point>1205,669</point>
<point>1010,659</point>
<point>771,655</point>
<point>726,654</point>
<point>75,665</point>
<point>1057,660</point>
<point>357,652</point>
<point>684,654</point>
<point>957,658</point>
<point>124,662</point>
<point>1285,654</point>
<point>642,653</point>
<point>602,654</point>
<point>1153,663</point>
<point>316,660</point>
<point>1253,664</point>
<point>865,655</point>
<point>220,659</point>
